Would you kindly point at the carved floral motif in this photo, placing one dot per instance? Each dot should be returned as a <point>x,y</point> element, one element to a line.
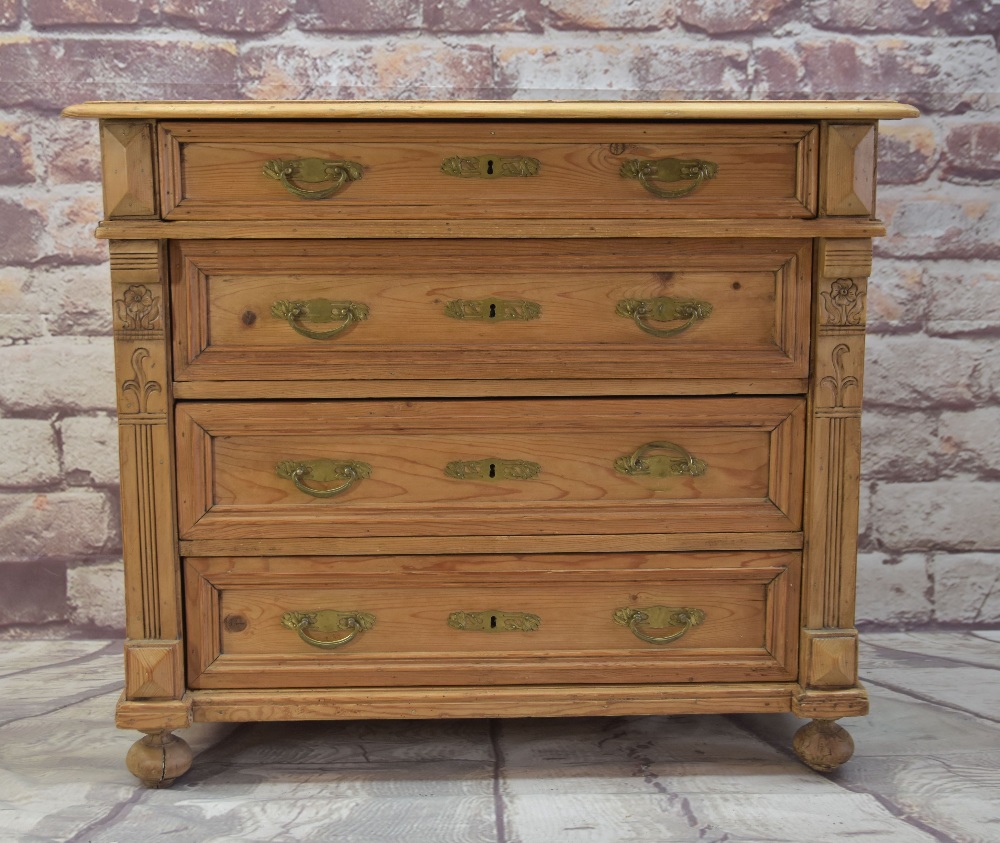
<point>837,382</point>
<point>140,386</point>
<point>138,309</point>
<point>845,303</point>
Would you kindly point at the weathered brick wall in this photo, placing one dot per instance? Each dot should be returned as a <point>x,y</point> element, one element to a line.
<point>931,508</point>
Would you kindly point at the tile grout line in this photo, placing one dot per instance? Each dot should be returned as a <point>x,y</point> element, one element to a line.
<point>498,767</point>
<point>899,689</point>
<point>108,688</point>
<point>948,660</point>
<point>107,649</point>
<point>890,807</point>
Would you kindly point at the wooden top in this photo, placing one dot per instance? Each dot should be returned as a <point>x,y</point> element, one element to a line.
<point>495,109</point>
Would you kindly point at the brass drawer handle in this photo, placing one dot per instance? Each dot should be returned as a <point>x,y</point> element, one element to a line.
<point>691,170</point>
<point>323,471</point>
<point>321,311</point>
<point>658,617</point>
<point>663,309</point>
<point>492,468</point>
<point>312,171</point>
<point>493,310</point>
<point>494,621</point>
<point>675,463</point>
<point>489,166</point>
<point>327,621</point>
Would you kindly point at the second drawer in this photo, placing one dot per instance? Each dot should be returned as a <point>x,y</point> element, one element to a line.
<point>470,467</point>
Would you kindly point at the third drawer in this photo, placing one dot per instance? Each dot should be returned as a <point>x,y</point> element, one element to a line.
<point>287,470</point>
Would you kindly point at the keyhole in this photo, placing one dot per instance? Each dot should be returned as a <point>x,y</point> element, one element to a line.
<point>493,469</point>
<point>489,167</point>
<point>493,621</point>
<point>493,311</point>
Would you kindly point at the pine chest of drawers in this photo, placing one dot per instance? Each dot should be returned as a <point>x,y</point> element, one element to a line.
<point>488,409</point>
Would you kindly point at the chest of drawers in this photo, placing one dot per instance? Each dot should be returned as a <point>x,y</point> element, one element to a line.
<point>488,409</point>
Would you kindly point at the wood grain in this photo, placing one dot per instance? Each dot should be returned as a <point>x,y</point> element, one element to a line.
<point>227,455</point>
<point>498,109</point>
<point>523,229</point>
<point>225,329</point>
<point>214,170</point>
<point>744,597</point>
<point>847,172</point>
<point>129,167</point>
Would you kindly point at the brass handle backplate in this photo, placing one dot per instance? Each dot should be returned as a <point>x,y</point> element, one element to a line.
<point>327,621</point>
<point>658,617</point>
<point>494,621</point>
<point>692,172</point>
<point>489,166</point>
<point>343,472</point>
<point>663,309</point>
<point>312,171</point>
<point>493,310</point>
<point>676,462</point>
<point>492,468</point>
<point>319,311</point>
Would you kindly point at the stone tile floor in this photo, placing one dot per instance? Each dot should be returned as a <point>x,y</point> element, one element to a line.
<point>927,766</point>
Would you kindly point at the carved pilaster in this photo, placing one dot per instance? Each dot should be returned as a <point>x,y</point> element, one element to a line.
<point>833,463</point>
<point>142,362</point>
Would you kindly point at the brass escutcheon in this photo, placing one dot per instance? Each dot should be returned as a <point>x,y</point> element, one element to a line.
<point>492,468</point>
<point>676,462</point>
<point>494,621</point>
<point>312,171</point>
<point>489,166</point>
<point>663,309</point>
<point>327,621</point>
<point>493,310</point>
<point>692,171</point>
<point>658,617</point>
<point>345,472</point>
<point>319,311</point>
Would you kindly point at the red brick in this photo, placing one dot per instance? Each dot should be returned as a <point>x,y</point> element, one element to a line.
<point>358,15</point>
<point>69,227</point>
<point>907,152</point>
<point>44,13</point>
<point>33,592</point>
<point>23,229</point>
<point>619,15</point>
<point>51,73</point>
<point>901,445</point>
<point>236,16</point>
<point>680,70</point>
<point>482,16</point>
<point>397,69</point>
<point>972,152</point>
<point>897,297</point>
<point>59,525</point>
<point>967,17</point>
<point>945,74</point>
<point>10,13</point>
<point>70,149</point>
<point>718,17</point>
<point>950,223</point>
<point>15,156</point>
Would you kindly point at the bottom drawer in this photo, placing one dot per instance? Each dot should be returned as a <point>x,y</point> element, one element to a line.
<point>286,622</point>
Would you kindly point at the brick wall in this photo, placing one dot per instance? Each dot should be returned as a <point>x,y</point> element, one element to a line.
<point>931,504</point>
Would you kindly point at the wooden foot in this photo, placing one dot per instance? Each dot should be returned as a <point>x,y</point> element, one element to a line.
<point>159,758</point>
<point>823,745</point>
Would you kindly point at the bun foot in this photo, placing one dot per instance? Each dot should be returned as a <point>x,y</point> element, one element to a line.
<point>159,758</point>
<point>823,745</point>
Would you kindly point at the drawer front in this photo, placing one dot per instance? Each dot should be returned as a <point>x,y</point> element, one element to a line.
<point>451,170</point>
<point>355,621</point>
<point>430,468</point>
<point>504,309</point>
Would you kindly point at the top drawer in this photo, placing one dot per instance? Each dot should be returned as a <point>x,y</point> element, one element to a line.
<point>478,169</point>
